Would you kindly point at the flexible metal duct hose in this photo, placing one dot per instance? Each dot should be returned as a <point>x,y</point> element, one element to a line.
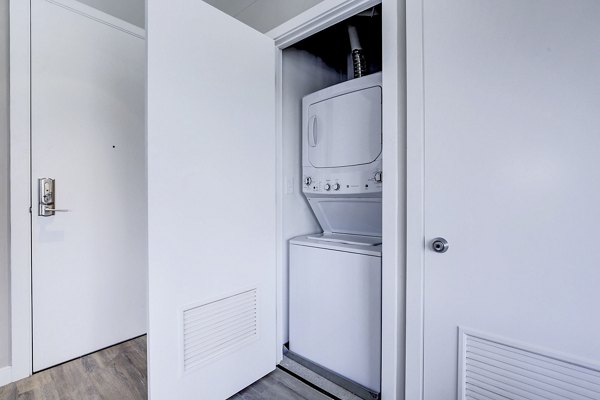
<point>358,57</point>
<point>360,65</point>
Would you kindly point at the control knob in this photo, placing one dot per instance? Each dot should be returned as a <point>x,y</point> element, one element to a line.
<point>378,177</point>
<point>307,180</point>
<point>327,186</point>
<point>336,186</point>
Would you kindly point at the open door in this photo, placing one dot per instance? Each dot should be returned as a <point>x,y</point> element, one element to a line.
<point>211,187</point>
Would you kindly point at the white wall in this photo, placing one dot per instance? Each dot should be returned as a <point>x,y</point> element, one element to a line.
<point>4,225</point>
<point>133,11</point>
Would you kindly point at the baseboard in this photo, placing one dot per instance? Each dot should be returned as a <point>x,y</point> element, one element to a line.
<point>5,375</point>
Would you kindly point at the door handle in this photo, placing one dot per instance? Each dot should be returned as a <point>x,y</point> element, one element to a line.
<point>440,245</point>
<point>47,197</point>
<point>312,131</point>
<point>56,209</point>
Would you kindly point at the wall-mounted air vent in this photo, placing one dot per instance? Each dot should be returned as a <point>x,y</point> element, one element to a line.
<point>213,329</point>
<point>495,370</point>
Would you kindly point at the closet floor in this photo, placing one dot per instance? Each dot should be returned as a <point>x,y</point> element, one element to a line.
<point>119,373</point>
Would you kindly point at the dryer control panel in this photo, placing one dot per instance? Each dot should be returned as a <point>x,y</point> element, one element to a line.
<point>342,182</point>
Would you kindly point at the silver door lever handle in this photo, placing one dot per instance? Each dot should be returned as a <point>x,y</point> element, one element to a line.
<point>46,198</point>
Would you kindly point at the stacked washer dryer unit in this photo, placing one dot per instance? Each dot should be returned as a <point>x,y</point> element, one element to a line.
<point>335,276</point>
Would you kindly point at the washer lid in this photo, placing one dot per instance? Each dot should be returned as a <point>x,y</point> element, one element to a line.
<point>347,239</point>
<point>319,243</point>
<point>349,215</point>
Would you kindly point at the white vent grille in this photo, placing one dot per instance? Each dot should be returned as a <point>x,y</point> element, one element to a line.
<point>496,370</point>
<point>216,328</point>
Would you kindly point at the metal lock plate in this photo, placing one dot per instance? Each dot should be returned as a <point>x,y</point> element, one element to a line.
<point>47,197</point>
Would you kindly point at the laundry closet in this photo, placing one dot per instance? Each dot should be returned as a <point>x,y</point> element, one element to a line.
<point>266,233</point>
<point>332,203</point>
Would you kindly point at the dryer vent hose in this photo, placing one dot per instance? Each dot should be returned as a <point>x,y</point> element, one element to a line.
<point>358,57</point>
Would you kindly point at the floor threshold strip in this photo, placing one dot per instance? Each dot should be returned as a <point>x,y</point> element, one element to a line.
<point>308,383</point>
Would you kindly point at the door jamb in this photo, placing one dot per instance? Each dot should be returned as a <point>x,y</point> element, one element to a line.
<point>415,230</point>
<point>319,17</point>
<point>20,199</point>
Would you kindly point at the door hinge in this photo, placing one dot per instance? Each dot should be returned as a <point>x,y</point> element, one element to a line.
<point>29,209</point>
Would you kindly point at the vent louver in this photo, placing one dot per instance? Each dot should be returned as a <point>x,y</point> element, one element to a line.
<point>218,327</point>
<point>496,370</point>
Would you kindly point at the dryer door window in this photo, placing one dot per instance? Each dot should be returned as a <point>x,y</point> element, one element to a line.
<point>345,130</point>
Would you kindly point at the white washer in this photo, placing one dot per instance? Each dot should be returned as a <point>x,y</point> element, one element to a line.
<point>335,306</point>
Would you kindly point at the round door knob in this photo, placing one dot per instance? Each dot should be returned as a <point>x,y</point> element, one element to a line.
<point>440,245</point>
<point>327,186</point>
<point>336,186</point>
<point>307,180</point>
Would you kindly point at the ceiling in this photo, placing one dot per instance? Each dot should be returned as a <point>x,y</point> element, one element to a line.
<point>263,15</point>
<point>132,11</point>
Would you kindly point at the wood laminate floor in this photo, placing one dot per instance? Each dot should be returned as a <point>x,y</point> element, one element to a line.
<point>280,386</point>
<point>119,373</point>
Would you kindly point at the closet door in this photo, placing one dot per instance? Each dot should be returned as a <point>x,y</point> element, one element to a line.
<point>512,143</point>
<point>211,192</point>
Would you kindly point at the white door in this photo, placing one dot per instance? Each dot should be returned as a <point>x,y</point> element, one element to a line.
<point>512,175</point>
<point>88,264</point>
<point>211,202</point>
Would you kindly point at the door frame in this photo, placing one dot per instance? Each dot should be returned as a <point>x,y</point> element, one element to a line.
<point>20,173</point>
<point>317,18</point>
<point>20,188</point>
<point>321,16</point>
<point>415,172</point>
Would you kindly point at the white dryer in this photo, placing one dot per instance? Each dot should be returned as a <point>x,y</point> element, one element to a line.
<point>342,156</point>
